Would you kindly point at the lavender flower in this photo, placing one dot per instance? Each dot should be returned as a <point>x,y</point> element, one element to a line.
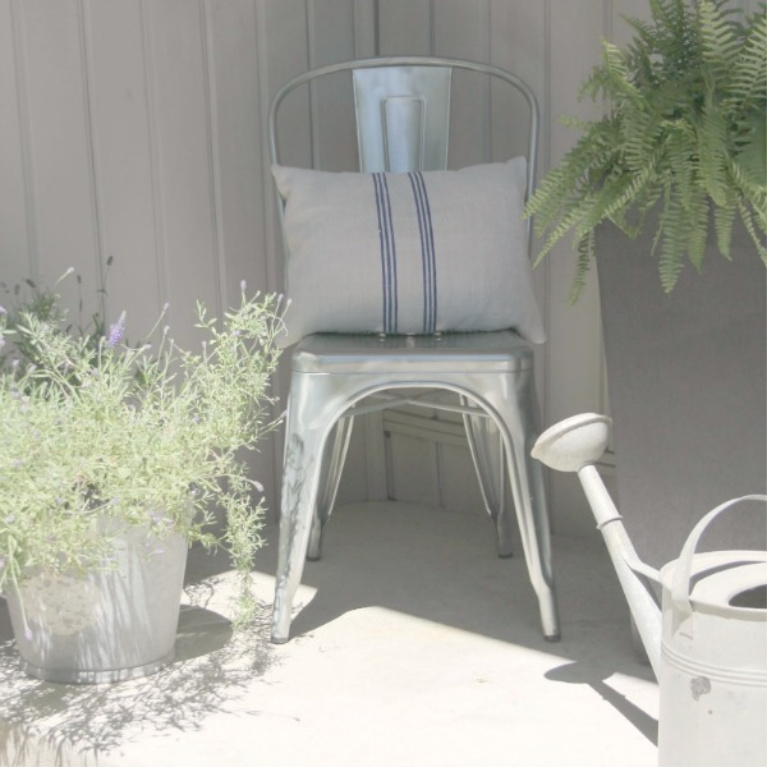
<point>116,332</point>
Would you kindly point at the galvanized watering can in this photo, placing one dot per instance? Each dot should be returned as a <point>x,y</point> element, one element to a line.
<point>707,641</point>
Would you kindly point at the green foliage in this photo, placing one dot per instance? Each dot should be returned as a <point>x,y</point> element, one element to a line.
<point>684,129</point>
<point>99,437</point>
<point>29,298</point>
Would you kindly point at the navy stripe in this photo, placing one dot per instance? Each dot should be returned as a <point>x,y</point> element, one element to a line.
<point>388,253</point>
<point>428,255</point>
<point>424,270</point>
<point>393,268</point>
<point>381,238</point>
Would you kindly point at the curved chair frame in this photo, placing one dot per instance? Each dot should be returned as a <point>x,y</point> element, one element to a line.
<point>335,378</point>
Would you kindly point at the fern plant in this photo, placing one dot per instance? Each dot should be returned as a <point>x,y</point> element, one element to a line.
<point>683,132</point>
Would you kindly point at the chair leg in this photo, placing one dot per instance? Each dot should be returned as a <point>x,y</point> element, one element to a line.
<point>487,452</point>
<point>537,542</point>
<point>299,492</point>
<point>330,477</point>
<point>526,480</point>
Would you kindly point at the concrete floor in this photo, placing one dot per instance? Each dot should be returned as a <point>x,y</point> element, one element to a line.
<point>414,645</point>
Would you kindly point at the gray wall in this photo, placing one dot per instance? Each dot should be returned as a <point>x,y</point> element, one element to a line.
<point>133,129</point>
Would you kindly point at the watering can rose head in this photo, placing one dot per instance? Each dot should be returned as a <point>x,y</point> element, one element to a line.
<point>100,436</point>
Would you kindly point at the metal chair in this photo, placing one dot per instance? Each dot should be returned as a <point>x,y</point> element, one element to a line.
<point>335,377</point>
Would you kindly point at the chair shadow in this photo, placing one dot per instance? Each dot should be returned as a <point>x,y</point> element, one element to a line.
<point>429,574</point>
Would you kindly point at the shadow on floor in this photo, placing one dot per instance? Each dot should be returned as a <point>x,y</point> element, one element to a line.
<point>445,570</point>
<point>212,666</point>
<point>580,673</point>
<point>442,567</point>
<point>432,565</point>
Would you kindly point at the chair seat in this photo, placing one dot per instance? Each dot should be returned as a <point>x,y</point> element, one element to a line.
<point>491,352</point>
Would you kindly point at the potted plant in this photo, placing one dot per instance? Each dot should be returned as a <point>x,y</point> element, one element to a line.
<point>673,172</point>
<point>115,458</point>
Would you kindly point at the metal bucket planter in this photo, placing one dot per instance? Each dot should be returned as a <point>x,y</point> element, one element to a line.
<point>106,625</point>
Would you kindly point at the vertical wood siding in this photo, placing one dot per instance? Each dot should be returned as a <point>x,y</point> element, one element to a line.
<point>132,129</point>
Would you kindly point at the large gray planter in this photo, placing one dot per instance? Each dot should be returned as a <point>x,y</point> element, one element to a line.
<point>687,378</point>
<point>107,625</point>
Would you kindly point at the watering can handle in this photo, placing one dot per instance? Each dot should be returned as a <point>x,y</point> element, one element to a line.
<point>680,591</point>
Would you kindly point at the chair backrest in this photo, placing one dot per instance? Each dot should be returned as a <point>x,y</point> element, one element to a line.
<point>402,110</point>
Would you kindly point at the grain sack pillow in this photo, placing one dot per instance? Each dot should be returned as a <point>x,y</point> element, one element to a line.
<point>407,252</point>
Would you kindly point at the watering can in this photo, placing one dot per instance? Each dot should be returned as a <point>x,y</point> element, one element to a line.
<point>707,640</point>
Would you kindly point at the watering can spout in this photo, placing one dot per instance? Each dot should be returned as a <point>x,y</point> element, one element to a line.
<point>575,445</point>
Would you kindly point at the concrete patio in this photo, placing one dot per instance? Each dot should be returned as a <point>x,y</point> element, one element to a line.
<point>414,645</point>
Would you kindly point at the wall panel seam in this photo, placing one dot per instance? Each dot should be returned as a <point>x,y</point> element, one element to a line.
<point>214,157</point>
<point>269,244</point>
<point>92,152</point>
<point>311,19</point>
<point>432,30</point>
<point>158,210</point>
<point>544,165</point>
<point>25,135</point>
<point>602,394</point>
<point>270,230</point>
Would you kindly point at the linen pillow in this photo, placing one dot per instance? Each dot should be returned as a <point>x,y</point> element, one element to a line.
<point>407,252</point>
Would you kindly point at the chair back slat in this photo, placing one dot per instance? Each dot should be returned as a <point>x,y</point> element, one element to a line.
<point>403,118</point>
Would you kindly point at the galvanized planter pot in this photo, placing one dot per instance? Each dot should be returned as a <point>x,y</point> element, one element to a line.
<point>103,626</point>
<point>687,378</point>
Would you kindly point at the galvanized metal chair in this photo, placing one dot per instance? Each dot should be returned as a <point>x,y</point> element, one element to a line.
<point>401,107</point>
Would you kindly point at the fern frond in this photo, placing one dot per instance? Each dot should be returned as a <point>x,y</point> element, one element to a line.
<point>673,234</point>
<point>697,228</point>
<point>751,193</point>
<point>751,155</point>
<point>681,153</point>
<point>585,250</point>
<point>592,155</point>
<point>634,186</point>
<point>719,40</point>
<point>724,219</point>
<point>568,222</point>
<point>641,137</point>
<point>713,144</point>
<point>611,79</point>
<point>748,81</point>
<point>748,221</point>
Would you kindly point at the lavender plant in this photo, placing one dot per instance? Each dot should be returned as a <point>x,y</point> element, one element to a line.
<point>96,442</point>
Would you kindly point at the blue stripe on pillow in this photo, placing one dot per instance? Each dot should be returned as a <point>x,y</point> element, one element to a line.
<point>388,253</point>
<point>428,256</point>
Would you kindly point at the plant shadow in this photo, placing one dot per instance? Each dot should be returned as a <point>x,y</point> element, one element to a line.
<point>66,724</point>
